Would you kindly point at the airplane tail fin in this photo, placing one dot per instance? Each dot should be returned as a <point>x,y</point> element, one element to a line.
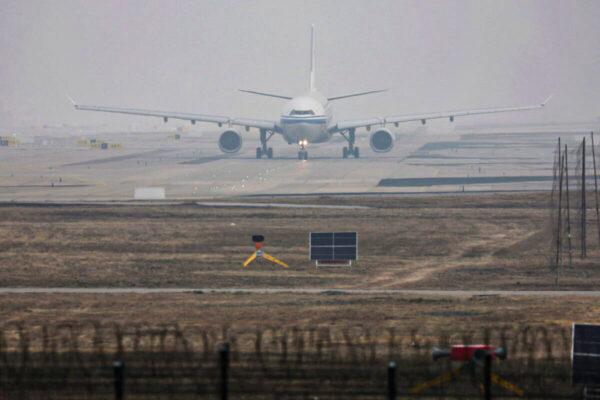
<point>312,59</point>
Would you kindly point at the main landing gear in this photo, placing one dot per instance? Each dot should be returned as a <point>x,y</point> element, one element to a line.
<point>302,153</point>
<point>351,150</point>
<point>264,150</point>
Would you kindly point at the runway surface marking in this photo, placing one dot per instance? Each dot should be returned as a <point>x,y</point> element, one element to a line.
<point>124,157</point>
<point>324,291</point>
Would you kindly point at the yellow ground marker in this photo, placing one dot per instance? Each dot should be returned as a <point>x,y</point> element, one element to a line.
<point>511,387</point>
<point>259,254</point>
<point>438,380</point>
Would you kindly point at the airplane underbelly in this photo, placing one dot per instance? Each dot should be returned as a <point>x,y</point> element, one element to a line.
<point>299,131</point>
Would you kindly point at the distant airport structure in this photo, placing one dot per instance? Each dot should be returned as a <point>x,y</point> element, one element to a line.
<point>306,119</point>
<point>149,193</point>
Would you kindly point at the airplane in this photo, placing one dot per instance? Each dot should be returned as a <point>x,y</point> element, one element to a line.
<point>306,119</point>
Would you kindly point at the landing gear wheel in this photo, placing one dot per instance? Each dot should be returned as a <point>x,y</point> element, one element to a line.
<point>270,152</point>
<point>351,150</point>
<point>303,155</point>
<point>258,153</point>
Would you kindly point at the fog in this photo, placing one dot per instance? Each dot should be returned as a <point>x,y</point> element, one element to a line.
<point>194,55</point>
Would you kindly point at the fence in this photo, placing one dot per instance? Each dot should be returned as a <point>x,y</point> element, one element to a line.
<point>574,190</point>
<point>78,361</point>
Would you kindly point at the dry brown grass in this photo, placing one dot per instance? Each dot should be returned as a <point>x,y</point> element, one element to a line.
<point>480,242</point>
<point>427,317</point>
<point>475,242</point>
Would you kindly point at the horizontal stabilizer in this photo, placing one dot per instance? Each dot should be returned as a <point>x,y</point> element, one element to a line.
<point>266,94</point>
<point>356,94</point>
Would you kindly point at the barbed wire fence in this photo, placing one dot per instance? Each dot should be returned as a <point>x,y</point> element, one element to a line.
<point>595,162</point>
<point>72,360</point>
<point>555,207</point>
<point>579,199</point>
<point>574,177</point>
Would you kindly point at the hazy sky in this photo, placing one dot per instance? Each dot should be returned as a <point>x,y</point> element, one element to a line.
<point>194,55</point>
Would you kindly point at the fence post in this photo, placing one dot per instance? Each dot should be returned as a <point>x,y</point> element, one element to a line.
<point>224,368</point>
<point>119,370</point>
<point>487,377</point>
<point>392,380</point>
<point>583,205</point>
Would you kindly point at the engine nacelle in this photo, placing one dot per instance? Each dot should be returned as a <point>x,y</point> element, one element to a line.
<point>381,141</point>
<point>230,141</point>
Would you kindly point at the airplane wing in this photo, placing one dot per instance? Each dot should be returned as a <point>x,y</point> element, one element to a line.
<point>193,118</point>
<point>255,123</point>
<point>396,119</point>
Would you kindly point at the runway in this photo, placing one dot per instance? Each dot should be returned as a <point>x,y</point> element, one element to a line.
<point>312,291</point>
<point>443,160</point>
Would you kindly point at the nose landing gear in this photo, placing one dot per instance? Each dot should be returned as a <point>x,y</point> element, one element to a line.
<point>302,153</point>
<point>264,150</point>
<point>351,150</point>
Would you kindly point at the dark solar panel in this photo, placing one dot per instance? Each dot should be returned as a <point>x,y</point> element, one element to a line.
<point>344,239</point>
<point>321,253</point>
<point>344,253</point>
<point>586,354</point>
<point>333,246</point>
<point>321,239</point>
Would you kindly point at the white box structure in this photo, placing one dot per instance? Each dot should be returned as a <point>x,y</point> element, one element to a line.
<point>149,193</point>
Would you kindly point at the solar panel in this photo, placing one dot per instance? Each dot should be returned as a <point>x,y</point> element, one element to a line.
<point>333,246</point>
<point>586,354</point>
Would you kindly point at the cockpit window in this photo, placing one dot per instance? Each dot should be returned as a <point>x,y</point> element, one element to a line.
<point>302,112</point>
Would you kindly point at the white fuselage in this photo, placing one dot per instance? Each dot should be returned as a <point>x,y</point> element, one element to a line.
<point>306,117</point>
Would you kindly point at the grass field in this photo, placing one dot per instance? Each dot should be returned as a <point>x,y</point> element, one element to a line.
<point>475,242</point>
<point>429,314</point>
<point>472,242</point>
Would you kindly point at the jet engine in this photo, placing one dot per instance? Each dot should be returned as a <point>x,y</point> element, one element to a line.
<point>230,141</point>
<point>381,141</point>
